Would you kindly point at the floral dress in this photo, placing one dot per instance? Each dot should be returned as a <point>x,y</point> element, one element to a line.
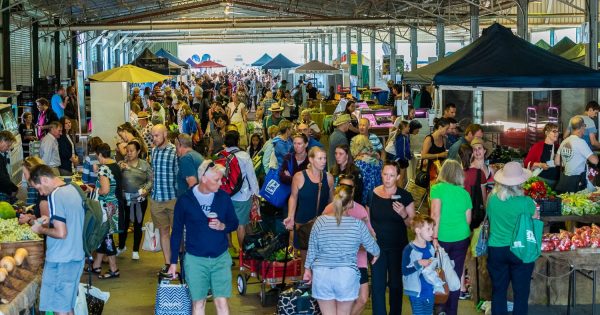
<point>370,174</point>
<point>109,202</point>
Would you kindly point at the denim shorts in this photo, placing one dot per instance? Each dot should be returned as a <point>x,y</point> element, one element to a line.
<point>202,274</point>
<point>335,283</point>
<point>60,284</point>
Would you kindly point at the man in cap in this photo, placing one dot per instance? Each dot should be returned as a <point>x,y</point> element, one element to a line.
<point>338,136</point>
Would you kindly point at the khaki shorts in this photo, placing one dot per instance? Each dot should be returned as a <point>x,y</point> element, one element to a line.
<point>162,212</point>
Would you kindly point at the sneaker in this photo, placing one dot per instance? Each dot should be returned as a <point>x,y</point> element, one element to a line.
<point>121,251</point>
<point>135,255</point>
<point>464,295</point>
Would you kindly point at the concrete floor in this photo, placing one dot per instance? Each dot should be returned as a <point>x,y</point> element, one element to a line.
<point>134,292</point>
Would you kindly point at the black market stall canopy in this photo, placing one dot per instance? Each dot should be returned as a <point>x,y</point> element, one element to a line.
<point>317,67</point>
<point>501,60</point>
<point>262,60</point>
<point>279,62</point>
<point>543,44</point>
<point>563,45</point>
<point>165,54</point>
<point>150,61</point>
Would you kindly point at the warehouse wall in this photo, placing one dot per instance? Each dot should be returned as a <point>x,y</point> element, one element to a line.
<point>47,55</point>
<point>170,47</point>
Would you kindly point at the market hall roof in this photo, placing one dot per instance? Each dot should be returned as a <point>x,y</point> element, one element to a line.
<point>500,59</point>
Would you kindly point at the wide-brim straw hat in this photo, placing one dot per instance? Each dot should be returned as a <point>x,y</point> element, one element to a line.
<point>512,174</point>
<point>143,115</point>
<point>276,107</point>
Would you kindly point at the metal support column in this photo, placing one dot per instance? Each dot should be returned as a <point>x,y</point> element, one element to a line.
<point>359,63</point>
<point>305,52</point>
<point>6,74</point>
<point>393,54</point>
<point>414,49</point>
<point>35,53</point>
<point>522,21</point>
<point>330,43</point>
<point>98,48</point>
<point>74,55</point>
<point>441,40</point>
<point>348,46</point>
<point>316,48</point>
<point>372,56</point>
<point>323,48</point>
<point>474,20</point>
<point>57,50</point>
<point>592,18</point>
<point>310,49</point>
<point>552,36</point>
<point>338,37</point>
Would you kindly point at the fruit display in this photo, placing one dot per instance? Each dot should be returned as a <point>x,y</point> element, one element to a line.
<point>6,210</point>
<point>583,237</point>
<point>11,231</point>
<point>579,204</point>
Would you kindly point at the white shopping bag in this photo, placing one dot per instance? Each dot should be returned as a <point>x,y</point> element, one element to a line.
<point>448,267</point>
<point>151,238</point>
<point>81,304</point>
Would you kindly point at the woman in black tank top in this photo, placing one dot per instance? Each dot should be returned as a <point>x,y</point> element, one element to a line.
<point>434,148</point>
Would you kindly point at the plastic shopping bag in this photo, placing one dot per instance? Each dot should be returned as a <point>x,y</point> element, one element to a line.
<point>81,304</point>
<point>151,238</point>
<point>448,266</point>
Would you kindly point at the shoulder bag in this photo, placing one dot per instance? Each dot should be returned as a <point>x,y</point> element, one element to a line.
<point>441,298</point>
<point>303,230</point>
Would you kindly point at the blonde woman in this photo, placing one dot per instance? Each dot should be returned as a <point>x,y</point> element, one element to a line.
<point>331,264</point>
<point>369,166</point>
<point>238,116</point>
<point>451,210</point>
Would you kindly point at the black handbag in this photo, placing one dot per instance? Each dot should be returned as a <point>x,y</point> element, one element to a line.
<point>295,301</point>
<point>422,177</point>
<point>477,210</point>
<point>95,305</point>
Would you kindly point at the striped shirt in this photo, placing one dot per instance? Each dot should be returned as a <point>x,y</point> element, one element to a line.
<point>89,176</point>
<point>333,245</point>
<point>165,168</point>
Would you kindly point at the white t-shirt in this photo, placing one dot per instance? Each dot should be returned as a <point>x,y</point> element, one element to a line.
<point>237,116</point>
<point>205,200</point>
<point>574,153</point>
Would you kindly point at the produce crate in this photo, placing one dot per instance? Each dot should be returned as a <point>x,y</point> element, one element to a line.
<point>550,208</point>
<point>35,249</point>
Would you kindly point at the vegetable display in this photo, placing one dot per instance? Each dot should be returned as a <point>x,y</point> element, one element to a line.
<point>11,231</point>
<point>6,210</point>
<point>538,189</point>
<point>579,204</point>
<point>583,237</point>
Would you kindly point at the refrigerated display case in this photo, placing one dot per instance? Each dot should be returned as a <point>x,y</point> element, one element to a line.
<point>8,122</point>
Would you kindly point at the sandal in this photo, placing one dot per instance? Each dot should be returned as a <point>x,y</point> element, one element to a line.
<point>110,274</point>
<point>93,270</point>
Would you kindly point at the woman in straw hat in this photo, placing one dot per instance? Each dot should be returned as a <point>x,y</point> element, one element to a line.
<point>505,205</point>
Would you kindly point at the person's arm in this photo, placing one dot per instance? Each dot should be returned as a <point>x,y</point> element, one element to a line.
<point>177,230</point>
<point>468,216</point>
<point>251,177</point>
<point>593,159</point>
<point>594,140</point>
<point>427,143</point>
<point>311,255</point>
<point>297,183</point>
<point>231,221</point>
<point>436,206</point>
<point>285,173</point>
<point>58,231</point>
<point>331,188</point>
<point>368,241</point>
<point>104,188</point>
<point>409,267</point>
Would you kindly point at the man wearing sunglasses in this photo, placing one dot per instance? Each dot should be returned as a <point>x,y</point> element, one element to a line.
<point>207,216</point>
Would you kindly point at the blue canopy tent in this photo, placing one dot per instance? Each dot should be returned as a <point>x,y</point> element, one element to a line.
<point>262,60</point>
<point>279,62</point>
<point>165,54</point>
<point>501,60</point>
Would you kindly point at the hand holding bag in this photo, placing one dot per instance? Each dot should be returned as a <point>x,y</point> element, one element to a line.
<point>173,299</point>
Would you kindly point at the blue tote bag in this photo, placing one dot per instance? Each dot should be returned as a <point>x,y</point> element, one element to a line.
<point>273,190</point>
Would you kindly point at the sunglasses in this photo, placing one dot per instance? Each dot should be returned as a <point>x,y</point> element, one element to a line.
<point>210,165</point>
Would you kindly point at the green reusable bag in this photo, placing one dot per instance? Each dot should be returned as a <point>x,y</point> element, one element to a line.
<point>526,242</point>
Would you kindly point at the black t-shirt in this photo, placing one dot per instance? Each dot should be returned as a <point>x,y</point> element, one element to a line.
<point>551,173</point>
<point>389,225</point>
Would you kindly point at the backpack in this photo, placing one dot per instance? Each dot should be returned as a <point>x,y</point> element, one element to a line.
<point>94,229</point>
<point>233,179</point>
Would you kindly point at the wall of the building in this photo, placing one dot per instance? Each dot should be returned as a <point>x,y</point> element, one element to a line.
<point>173,48</point>
<point>46,46</point>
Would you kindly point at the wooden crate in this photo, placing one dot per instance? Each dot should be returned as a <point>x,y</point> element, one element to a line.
<point>36,256</point>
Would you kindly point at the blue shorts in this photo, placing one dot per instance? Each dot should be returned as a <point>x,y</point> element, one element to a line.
<point>242,210</point>
<point>60,284</point>
<point>421,306</point>
<point>338,283</point>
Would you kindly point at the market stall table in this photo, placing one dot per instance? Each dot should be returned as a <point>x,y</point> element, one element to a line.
<point>24,302</point>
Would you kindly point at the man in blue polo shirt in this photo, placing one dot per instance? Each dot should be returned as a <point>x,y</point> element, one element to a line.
<point>64,244</point>
<point>59,102</point>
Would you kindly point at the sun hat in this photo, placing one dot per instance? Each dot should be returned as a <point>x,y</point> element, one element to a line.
<point>512,174</point>
<point>276,108</point>
<point>142,115</point>
<point>342,119</point>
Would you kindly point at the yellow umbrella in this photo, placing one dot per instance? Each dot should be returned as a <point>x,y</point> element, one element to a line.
<point>128,73</point>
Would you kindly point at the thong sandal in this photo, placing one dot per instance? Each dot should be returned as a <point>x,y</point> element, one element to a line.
<point>110,274</point>
<point>93,270</point>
